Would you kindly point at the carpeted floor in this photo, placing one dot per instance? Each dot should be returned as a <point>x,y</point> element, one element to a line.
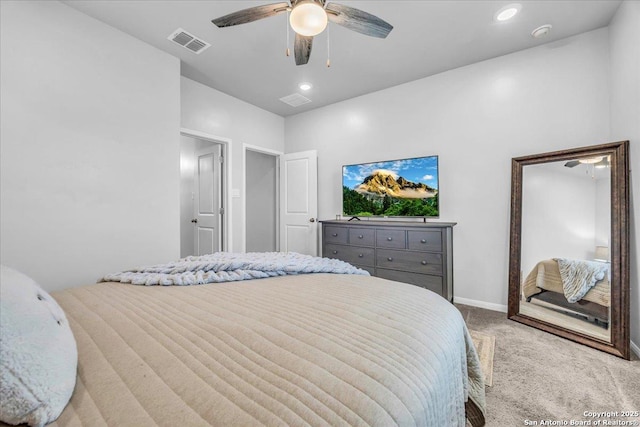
<point>538,376</point>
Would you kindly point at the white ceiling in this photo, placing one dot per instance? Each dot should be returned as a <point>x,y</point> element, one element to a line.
<point>248,61</point>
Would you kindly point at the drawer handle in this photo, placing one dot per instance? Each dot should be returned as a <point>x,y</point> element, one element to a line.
<point>360,255</point>
<point>360,236</point>
<point>335,252</point>
<point>334,234</point>
<point>424,263</point>
<point>389,238</point>
<point>423,241</point>
<point>389,259</point>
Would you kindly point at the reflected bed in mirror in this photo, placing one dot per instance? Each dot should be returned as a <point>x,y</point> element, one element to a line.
<point>569,245</point>
<point>578,300</point>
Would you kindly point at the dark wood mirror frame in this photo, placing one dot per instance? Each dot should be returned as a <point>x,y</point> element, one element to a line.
<point>619,246</point>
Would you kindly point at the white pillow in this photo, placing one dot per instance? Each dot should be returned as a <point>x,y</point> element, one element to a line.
<point>38,354</point>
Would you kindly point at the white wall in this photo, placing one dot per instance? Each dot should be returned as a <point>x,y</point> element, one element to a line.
<point>624,42</point>
<point>476,118</point>
<point>215,113</point>
<point>603,212</point>
<point>558,215</point>
<point>89,141</point>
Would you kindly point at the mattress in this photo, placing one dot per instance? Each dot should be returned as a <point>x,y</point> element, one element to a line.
<point>315,349</point>
<point>546,275</point>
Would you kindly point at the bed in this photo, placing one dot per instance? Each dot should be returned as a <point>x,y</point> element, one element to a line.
<point>545,282</point>
<point>301,349</point>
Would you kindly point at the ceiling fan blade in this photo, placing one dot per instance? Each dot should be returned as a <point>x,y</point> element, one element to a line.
<point>251,14</point>
<point>357,20</point>
<point>302,49</point>
<point>572,163</point>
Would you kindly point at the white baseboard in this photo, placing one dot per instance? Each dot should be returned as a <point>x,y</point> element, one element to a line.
<point>481,304</point>
<point>635,348</point>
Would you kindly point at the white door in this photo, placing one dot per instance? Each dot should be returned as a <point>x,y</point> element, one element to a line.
<point>299,203</point>
<point>207,218</point>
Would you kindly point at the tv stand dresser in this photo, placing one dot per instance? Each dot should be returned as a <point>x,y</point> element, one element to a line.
<point>419,253</point>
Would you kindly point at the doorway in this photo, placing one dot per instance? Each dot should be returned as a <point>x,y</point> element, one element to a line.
<point>202,222</point>
<point>262,200</point>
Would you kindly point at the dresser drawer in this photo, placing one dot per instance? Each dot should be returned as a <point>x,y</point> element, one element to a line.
<point>390,238</point>
<point>362,236</point>
<point>351,254</point>
<point>433,283</point>
<point>405,251</point>
<point>424,240</point>
<point>417,262</point>
<point>335,234</point>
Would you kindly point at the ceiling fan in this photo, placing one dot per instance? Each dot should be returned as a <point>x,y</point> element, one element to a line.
<point>599,162</point>
<point>309,18</point>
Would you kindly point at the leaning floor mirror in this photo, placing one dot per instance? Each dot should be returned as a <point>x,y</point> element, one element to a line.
<point>569,245</point>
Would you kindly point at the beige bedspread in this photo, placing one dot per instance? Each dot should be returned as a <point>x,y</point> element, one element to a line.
<point>317,349</point>
<point>546,275</point>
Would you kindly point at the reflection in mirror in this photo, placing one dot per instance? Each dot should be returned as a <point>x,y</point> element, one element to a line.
<point>566,223</point>
<point>569,245</point>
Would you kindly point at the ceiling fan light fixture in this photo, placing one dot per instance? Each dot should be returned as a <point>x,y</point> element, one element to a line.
<point>308,18</point>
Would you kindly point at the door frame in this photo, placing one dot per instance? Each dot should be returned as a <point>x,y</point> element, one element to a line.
<point>277,155</point>
<point>225,186</point>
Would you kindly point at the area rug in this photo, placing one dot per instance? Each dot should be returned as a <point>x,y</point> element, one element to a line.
<point>485,345</point>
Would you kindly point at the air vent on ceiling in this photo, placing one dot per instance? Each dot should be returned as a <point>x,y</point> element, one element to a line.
<point>295,100</point>
<point>188,41</point>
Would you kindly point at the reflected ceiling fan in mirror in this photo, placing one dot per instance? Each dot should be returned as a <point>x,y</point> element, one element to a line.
<point>308,18</point>
<point>598,162</point>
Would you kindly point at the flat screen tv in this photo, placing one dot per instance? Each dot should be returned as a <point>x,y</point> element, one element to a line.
<point>393,188</point>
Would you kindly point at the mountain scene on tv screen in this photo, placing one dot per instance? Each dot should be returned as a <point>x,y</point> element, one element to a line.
<point>398,188</point>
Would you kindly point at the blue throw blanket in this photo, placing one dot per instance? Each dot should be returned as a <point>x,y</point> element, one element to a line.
<point>230,267</point>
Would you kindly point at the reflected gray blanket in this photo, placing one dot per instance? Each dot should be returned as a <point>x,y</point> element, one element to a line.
<point>230,267</point>
<point>579,276</point>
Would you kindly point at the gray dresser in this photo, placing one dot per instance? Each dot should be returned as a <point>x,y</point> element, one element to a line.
<point>411,252</point>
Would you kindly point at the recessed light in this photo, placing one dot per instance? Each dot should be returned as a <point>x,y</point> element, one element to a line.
<point>507,12</point>
<point>541,31</point>
<point>305,86</point>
